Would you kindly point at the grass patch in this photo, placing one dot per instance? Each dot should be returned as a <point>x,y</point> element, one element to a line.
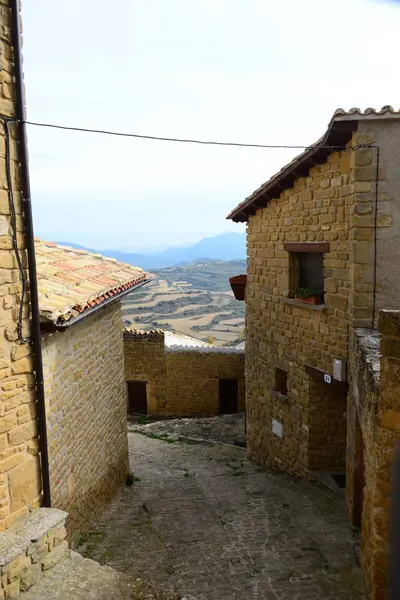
<point>82,539</point>
<point>164,437</point>
<point>131,478</point>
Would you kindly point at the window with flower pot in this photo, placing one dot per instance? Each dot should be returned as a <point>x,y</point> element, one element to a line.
<point>306,271</point>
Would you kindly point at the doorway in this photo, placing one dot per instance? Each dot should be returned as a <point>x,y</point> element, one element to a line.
<point>137,397</point>
<point>228,396</point>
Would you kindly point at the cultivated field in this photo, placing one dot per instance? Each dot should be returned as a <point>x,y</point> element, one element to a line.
<point>193,299</point>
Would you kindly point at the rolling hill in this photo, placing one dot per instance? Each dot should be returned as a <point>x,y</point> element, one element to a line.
<point>193,299</point>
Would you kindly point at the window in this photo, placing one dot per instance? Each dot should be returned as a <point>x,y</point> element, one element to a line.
<point>311,271</point>
<point>306,271</point>
<point>281,381</point>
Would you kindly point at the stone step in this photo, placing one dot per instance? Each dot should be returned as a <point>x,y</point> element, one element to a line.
<point>78,578</point>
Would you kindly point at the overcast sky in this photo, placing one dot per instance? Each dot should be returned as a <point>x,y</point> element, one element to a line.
<point>256,71</point>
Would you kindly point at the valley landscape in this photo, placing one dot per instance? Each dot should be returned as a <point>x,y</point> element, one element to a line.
<point>193,299</point>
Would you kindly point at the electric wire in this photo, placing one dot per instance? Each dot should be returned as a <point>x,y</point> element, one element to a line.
<point>13,221</point>
<point>170,139</point>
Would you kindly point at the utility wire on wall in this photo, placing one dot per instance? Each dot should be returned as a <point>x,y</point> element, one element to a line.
<point>13,221</point>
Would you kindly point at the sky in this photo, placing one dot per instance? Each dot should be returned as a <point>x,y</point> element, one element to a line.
<point>258,71</point>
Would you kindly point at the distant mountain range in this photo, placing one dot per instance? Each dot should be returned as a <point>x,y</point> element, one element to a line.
<point>226,246</point>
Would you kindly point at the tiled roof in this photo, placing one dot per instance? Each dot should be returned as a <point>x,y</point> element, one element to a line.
<point>338,133</point>
<point>177,342</point>
<point>71,281</point>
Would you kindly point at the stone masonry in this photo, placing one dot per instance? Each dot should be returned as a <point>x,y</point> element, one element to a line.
<point>181,382</point>
<point>333,204</point>
<point>19,461</point>
<point>29,548</point>
<point>373,430</point>
<point>193,381</point>
<point>145,361</point>
<point>86,408</point>
<point>347,202</point>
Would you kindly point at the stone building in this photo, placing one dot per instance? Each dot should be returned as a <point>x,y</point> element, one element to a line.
<point>170,374</point>
<point>20,484</point>
<point>83,360</point>
<point>323,239</point>
<point>373,428</point>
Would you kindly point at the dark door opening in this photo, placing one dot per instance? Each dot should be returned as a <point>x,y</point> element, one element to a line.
<point>228,396</point>
<point>137,397</point>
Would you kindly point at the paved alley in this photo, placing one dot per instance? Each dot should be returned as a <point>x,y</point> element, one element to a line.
<point>204,522</point>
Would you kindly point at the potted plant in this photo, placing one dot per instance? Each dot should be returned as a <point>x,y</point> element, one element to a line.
<point>309,296</point>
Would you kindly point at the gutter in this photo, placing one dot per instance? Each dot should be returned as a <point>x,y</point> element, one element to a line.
<point>27,208</point>
<point>49,327</point>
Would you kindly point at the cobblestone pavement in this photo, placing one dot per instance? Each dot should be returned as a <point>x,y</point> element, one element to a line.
<point>203,521</point>
<point>226,428</point>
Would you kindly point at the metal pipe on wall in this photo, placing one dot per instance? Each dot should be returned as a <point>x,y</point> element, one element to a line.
<point>27,207</point>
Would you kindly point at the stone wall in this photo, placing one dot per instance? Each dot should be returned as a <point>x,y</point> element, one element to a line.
<point>29,548</point>
<point>180,383</point>
<point>373,432</point>
<point>281,333</point>
<point>193,381</point>
<point>145,361</point>
<point>86,408</point>
<point>335,204</point>
<point>20,483</point>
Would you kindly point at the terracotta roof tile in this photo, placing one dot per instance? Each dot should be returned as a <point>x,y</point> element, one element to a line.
<point>71,281</point>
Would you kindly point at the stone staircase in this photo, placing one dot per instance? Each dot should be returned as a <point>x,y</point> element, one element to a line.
<point>78,578</point>
<point>37,564</point>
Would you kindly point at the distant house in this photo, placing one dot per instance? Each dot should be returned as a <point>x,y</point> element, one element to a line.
<point>83,358</point>
<point>323,239</point>
<point>176,375</point>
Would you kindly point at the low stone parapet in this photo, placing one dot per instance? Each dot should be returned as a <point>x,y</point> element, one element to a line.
<point>30,547</point>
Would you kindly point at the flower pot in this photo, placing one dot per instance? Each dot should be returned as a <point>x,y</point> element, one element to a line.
<point>316,299</point>
<point>238,285</point>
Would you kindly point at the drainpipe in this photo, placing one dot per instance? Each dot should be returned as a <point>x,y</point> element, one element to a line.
<point>27,207</point>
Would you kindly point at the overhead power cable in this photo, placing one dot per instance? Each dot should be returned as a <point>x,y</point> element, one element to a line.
<point>170,139</point>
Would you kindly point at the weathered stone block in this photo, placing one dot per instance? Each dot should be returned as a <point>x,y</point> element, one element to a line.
<point>23,365</point>
<point>12,590</point>
<point>7,422</point>
<point>24,482</point>
<point>11,462</point>
<point>52,558</point>
<point>336,301</point>
<point>391,420</point>
<point>17,567</point>
<point>389,322</point>
<point>363,252</point>
<point>22,433</point>
<point>31,577</point>
<point>330,285</point>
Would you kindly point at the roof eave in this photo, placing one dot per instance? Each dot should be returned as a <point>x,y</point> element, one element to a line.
<point>337,136</point>
<point>49,327</point>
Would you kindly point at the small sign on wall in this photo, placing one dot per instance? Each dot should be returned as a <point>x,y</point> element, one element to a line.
<point>277,428</point>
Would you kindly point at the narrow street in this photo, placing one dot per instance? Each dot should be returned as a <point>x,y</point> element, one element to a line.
<point>206,523</point>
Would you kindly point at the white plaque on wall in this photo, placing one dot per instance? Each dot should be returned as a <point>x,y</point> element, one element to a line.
<point>277,428</point>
